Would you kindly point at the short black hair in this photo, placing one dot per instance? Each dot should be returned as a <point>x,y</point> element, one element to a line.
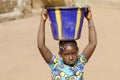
<point>62,43</point>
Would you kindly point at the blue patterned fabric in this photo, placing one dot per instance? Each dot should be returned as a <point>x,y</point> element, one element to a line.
<point>61,71</point>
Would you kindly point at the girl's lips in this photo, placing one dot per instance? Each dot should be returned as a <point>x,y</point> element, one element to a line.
<point>71,62</point>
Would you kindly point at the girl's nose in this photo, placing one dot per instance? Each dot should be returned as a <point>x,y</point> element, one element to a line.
<point>70,57</point>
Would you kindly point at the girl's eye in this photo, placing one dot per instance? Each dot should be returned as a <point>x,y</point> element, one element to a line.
<point>73,53</point>
<point>66,54</point>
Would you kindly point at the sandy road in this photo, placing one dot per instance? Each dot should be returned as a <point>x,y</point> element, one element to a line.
<point>20,58</point>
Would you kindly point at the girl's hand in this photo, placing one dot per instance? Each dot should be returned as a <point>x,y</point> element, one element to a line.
<point>88,13</point>
<point>44,14</point>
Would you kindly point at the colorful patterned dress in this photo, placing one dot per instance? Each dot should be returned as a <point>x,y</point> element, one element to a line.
<point>61,71</point>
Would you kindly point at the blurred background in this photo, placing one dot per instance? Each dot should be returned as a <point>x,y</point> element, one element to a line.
<point>13,9</point>
<point>20,58</point>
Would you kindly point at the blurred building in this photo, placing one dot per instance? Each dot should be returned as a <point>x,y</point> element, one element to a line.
<point>27,5</point>
<point>22,5</point>
<point>13,9</point>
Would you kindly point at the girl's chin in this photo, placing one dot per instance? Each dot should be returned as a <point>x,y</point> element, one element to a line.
<point>71,63</point>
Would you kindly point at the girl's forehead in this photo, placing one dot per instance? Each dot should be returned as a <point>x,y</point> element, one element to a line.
<point>69,47</point>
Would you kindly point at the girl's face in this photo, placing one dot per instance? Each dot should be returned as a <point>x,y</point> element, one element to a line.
<point>69,54</point>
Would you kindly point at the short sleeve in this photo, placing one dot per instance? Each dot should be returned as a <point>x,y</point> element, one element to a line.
<point>53,61</point>
<point>82,59</point>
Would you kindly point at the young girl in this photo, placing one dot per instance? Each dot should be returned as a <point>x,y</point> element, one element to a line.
<point>71,66</point>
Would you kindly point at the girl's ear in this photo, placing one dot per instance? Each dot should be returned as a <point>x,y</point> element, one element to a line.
<point>59,53</point>
<point>77,48</point>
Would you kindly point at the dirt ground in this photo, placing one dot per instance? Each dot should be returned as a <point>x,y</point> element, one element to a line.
<point>21,60</point>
